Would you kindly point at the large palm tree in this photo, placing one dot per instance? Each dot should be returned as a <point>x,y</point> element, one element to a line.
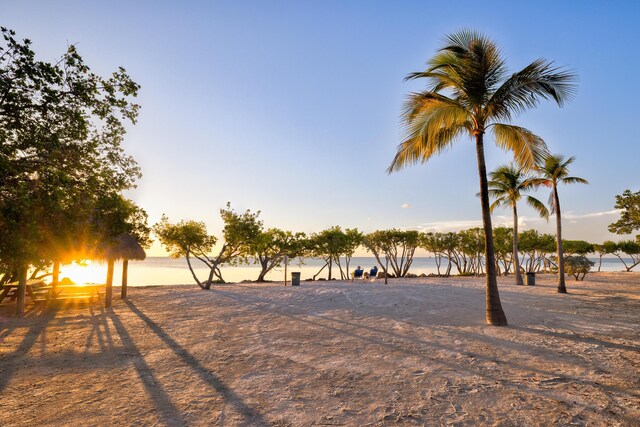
<point>471,93</point>
<point>554,171</point>
<point>506,186</point>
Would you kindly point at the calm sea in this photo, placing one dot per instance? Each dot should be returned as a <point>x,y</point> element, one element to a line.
<point>167,271</point>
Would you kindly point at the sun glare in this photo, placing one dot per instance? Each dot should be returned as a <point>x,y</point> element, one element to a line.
<point>84,272</point>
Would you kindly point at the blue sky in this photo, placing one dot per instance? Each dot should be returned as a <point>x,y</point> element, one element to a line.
<point>292,108</point>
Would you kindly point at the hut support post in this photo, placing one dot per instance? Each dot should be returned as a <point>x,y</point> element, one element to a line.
<point>125,267</point>
<point>108,295</point>
<point>22,288</point>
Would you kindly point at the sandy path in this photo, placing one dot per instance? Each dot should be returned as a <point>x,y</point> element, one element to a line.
<point>414,352</point>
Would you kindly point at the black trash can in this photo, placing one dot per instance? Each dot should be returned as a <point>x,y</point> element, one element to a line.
<point>531,278</point>
<point>295,278</point>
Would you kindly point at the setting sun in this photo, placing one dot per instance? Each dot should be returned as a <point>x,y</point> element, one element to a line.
<point>84,272</point>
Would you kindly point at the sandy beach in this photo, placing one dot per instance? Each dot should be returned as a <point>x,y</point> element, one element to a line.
<point>413,352</point>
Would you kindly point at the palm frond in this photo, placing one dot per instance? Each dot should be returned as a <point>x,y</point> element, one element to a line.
<point>526,88</point>
<point>528,149</point>
<point>574,180</point>
<point>430,129</point>
<point>538,206</point>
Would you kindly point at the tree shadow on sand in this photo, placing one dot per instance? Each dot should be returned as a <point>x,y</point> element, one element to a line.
<point>414,346</point>
<point>251,416</point>
<point>10,362</point>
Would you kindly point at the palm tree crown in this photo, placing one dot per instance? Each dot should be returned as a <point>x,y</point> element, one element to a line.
<point>555,170</point>
<point>469,91</point>
<point>508,183</point>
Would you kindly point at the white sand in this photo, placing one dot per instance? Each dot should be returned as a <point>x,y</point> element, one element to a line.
<point>414,352</point>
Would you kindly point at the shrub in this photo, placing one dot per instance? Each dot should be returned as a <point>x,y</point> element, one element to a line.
<point>578,266</point>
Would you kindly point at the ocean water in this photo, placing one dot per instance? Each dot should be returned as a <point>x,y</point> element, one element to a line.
<point>167,271</point>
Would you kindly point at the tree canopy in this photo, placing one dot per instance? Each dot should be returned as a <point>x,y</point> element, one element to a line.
<point>629,220</point>
<point>61,156</point>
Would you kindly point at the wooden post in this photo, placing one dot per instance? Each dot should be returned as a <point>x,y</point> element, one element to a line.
<point>125,267</point>
<point>386,269</point>
<point>286,261</point>
<point>22,287</point>
<point>108,295</point>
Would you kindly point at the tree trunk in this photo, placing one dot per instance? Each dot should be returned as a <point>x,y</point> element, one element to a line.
<point>600,264</point>
<point>22,289</point>
<point>125,268</point>
<point>330,265</point>
<point>56,273</point>
<point>494,313</point>
<point>108,295</point>
<point>193,273</point>
<point>556,202</point>
<point>516,260</point>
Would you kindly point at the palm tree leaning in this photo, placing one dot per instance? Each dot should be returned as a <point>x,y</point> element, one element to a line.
<point>554,171</point>
<point>470,93</point>
<point>506,186</point>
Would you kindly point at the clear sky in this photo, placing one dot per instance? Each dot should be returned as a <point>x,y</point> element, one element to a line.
<point>292,108</point>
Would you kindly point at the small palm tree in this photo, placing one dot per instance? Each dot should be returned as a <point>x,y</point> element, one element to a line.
<point>470,93</point>
<point>554,171</point>
<point>506,186</point>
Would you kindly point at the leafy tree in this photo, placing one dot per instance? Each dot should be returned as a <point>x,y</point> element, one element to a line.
<point>61,131</point>
<point>507,184</point>
<point>554,171</point>
<point>503,244</point>
<point>630,216</point>
<point>608,247</point>
<point>577,247</point>
<point>397,246</point>
<point>468,256</point>
<point>470,92</point>
<point>271,246</point>
<point>442,246</point>
<point>632,249</point>
<point>578,266</point>
<point>190,239</point>
<point>535,247</point>
<point>331,244</point>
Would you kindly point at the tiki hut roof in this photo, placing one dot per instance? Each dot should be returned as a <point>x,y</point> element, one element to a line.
<point>125,246</point>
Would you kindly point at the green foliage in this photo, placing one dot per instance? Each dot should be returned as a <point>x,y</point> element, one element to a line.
<point>271,246</point>
<point>398,246</point>
<point>61,133</point>
<point>333,243</point>
<point>630,216</point>
<point>577,247</point>
<point>184,238</point>
<point>190,239</point>
<point>578,266</point>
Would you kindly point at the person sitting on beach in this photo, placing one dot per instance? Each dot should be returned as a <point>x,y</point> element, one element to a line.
<point>374,272</point>
<point>357,274</point>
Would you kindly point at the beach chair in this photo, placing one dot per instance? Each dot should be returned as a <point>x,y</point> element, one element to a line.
<point>357,274</point>
<point>373,274</point>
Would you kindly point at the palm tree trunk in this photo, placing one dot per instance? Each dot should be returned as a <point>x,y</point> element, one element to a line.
<point>516,260</point>
<point>495,315</point>
<point>556,202</point>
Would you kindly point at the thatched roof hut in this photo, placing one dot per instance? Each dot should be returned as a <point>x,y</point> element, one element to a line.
<point>124,247</point>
